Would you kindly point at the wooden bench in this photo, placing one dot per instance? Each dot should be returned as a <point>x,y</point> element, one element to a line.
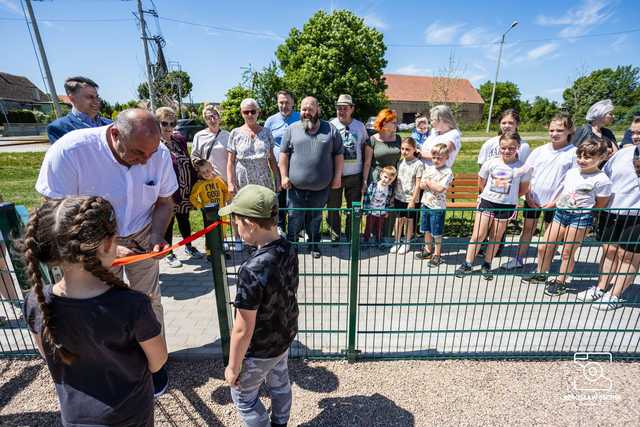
<point>463,191</point>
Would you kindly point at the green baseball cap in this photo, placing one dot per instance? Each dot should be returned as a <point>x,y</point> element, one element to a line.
<point>253,201</point>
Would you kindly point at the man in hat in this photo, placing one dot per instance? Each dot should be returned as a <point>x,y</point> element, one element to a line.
<point>353,135</point>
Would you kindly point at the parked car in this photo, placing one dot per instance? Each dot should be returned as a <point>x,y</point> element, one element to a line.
<point>406,126</point>
<point>369,126</point>
<point>189,127</point>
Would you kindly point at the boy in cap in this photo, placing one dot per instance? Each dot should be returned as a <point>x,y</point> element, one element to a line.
<point>266,319</point>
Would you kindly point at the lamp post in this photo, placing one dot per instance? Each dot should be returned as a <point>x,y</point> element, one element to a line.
<point>495,80</point>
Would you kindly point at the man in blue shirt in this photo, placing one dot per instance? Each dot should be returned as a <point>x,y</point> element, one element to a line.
<point>83,93</point>
<point>277,124</point>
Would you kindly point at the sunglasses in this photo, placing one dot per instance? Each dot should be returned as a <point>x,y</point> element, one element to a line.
<point>168,124</point>
<point>247,112</point>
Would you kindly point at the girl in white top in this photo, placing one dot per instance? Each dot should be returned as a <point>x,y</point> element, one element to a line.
<point>548,164</point>
<point>407,193</point>
<point>444,131</point>
<point>502,181</point>
<point>509,121</point>
<point>585,187</point>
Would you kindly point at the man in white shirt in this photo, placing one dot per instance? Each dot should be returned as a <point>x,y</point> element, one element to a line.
<point>125,163</point>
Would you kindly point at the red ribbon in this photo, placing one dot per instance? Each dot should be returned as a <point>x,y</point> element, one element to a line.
<point>140,257</point>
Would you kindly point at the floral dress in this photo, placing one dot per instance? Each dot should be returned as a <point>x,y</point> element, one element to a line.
<point>252,157</point>
<point>184,172</point>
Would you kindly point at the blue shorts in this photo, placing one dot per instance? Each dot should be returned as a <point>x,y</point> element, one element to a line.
<point>432,221</point>
<point>574,219</point>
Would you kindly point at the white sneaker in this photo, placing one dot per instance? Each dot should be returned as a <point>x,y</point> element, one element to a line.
<point>607,302</point>
<point>512,264</point>
<point>395,248</point>
<point>403,249</point>
<point>590,295</point>
<point>173,262</point>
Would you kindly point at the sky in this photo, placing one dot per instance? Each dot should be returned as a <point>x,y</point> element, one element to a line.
<point>554,42</point>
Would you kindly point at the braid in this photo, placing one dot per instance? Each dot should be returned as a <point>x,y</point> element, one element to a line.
<point>93,265</point>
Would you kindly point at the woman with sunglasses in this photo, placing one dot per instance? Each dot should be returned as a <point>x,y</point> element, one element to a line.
<point>211,143</point>
<point>186,176</point>
<point>251,159</point>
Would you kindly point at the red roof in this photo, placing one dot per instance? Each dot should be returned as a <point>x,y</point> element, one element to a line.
<point>423,89</point>
<point>64,99</point>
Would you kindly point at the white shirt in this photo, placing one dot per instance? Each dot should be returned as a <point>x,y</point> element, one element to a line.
<point>548,168</point>
<point>503,180</point>
<point>452,136</point>
<point>491,149</point>
<point>442,176</point>
<point>352,140</point>
<point>408,173</point>
<point>82,164</point>
<point>626,184</point>
<point>581,189</point>
<point>218,156</point>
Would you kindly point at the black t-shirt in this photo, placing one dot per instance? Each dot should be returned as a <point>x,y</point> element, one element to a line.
<point>268,282</point>
<point>109,383</point>
<point>585,131</point>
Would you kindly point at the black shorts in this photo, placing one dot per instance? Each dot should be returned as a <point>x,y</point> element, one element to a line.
<point>405,214</point>
<point>613,229</point>
<point>487,208</point>
<point>535,213</point>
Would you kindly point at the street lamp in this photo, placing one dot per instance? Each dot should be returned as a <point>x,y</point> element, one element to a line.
<point>495,81</point>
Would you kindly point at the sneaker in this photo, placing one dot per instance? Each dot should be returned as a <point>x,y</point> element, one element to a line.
<point>192,252</point>
<point>395,248</point>
<point>513,263</point>
<point>487,274</point>
<point>590,295</point>
<point>403,249</point>
<point>534,278</point>
<point>315,252</point>
<point>160,382</point>
<point>555,288</point>
<point>463,270</point>
<point>435,261</point>
<point>607,302</point>
<point>173,262</point>
<point>423,254</point>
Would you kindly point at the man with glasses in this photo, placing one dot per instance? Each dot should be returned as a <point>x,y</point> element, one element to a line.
<point>354,136</point>
<point>83,94</point>
<point>277,124</point>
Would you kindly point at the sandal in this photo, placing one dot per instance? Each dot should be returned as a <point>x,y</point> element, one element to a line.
<point>424,254</point>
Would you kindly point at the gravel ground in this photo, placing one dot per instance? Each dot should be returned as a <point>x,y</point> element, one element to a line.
<point>336,393</point>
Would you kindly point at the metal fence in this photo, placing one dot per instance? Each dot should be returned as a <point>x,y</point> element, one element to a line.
<point>361,301</point>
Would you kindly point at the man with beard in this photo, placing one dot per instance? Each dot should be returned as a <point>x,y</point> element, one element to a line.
<point>311,161</point>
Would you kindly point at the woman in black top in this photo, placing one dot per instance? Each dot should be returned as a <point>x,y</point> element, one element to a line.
<point>599,115</point>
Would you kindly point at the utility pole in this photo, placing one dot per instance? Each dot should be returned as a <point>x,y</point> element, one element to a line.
<point>495,80</point>
<point>143,36</point>
<point>175,66</point>
<point>52,88</point>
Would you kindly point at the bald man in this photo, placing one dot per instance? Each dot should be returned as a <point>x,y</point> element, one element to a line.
<point>125,163</point>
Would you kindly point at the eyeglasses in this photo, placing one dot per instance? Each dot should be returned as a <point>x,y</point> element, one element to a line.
<point>508,149</point>
<point>211,117</point>
<point>168,124</point>
<point>247,112</point>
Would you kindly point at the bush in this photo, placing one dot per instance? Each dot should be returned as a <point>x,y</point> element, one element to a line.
<point>19,116</point>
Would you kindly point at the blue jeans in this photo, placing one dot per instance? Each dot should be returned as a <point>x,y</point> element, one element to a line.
<point>274,372</point>
<point>576,219</point>
<point>300,219</point>
<point>432,221</point>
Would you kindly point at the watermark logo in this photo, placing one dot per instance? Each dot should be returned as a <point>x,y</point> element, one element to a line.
<point>591,384</point>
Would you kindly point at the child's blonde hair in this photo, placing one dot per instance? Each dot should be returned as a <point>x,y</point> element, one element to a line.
<point>389,170</point>
<point>199,164</point>
<point>440,149</point>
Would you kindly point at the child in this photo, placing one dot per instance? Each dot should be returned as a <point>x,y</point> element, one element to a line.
<point>101,340</point>
<point>585,187</point>
<point>266,319</point>
<point>407,193</point>
<point>210,188</point>
<point>502,180</point>
<point>421,131</point>
<point>509,121</point>
<point>549,165</point>
<point>379,196</point>
<point>435,181</point>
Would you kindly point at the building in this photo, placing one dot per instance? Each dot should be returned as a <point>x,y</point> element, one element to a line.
<point>411,95</point>
<point>19,93</point>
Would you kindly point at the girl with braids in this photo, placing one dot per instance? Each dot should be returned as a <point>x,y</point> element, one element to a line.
<point>100,339</point>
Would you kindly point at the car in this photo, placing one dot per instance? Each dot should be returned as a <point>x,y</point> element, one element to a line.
<point>189,127</point>
<point>406,126</point>
<point>369,126</point>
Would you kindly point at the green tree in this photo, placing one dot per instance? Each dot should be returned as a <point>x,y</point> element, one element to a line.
<point>541,110</point>
<point>507,96</point>
<point>620,85</point>
<point>335,53</point>
<point>231,117</point>
<point>266,84</point>
<point>167,88</point>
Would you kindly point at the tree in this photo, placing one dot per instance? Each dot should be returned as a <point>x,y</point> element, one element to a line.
<point>620,85</point>
<point>507,96</point>
<point>167,87</point>
<point>446,84</point>
<point>231,117</point>
<point>333,54</point>
<point>541,111</point>
<point>266,84</point>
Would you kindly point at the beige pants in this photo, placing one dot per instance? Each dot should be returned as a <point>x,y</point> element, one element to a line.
<point>143,276</point>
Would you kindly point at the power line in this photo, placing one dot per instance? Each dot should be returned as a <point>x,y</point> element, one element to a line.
<point>75,20</point>
<point>215,27</point>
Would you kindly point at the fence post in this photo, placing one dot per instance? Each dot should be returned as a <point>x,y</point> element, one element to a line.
<point>215,254</point>
<point>356,217</point>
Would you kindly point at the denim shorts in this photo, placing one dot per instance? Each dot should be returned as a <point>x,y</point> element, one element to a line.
<point>432,221</point>
<point>573,219</point>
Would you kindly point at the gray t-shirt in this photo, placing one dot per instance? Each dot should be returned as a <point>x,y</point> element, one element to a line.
<point>353,137</point>
<point>311,156</point>
<point>503,180</point>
